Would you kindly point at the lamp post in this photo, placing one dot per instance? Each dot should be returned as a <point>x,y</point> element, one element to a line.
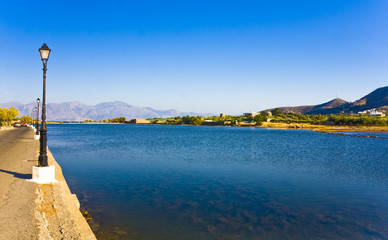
<point>44,55</point>
<point>43,173</point>
<point>37,117</point>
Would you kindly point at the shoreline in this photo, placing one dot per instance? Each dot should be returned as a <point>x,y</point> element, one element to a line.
<point>306,126</point>
<point>327,128</point>
<point>58,210</point>
<point>61,208</point>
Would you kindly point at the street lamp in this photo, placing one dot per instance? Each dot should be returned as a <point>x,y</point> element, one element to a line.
<point>37,117</point>
<point>44,55</point>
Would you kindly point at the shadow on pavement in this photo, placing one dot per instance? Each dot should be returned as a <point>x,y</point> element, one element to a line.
<point>18,175</point>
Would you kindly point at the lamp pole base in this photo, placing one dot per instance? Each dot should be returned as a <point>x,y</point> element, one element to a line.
<point>43,175</point>
<point>37,137</point>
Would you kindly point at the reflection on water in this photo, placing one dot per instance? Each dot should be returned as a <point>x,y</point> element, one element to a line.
<point>176,182</point>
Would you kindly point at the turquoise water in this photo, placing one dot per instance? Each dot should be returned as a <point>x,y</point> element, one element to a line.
<point>182,182</point>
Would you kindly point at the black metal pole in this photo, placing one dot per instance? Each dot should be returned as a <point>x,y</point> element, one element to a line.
<point>37,121</point>
<point>43,129</point>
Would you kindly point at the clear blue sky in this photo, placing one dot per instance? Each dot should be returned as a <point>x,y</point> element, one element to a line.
<point>202,56</point>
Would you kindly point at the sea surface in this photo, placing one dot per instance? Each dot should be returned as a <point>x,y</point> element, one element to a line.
<point>184,182</point>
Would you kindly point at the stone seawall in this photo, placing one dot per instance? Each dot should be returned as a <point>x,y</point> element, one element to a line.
<point>57,210</point>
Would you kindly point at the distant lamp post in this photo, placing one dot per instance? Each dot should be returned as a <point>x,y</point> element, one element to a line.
<point>37,117</point>
<point>44,55</point>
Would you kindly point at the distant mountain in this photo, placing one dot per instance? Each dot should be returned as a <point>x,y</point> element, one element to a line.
<point>376,99</point>
<point>78,111</point>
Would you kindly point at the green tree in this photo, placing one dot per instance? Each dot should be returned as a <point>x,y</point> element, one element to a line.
<point>186,119</point>
<point>8,115</point>
<point>122,119</point>
<point>259,119</point>
<point>11,114</point>
<point>26,119</point>
<point>118,120</point>
<point>277,112</point>
<point>192,120</point>
<point>197,120</point>
<point>3,116</point>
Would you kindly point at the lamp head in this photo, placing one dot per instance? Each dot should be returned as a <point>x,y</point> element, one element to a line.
<point>38,100</point>
<point>44,52</point>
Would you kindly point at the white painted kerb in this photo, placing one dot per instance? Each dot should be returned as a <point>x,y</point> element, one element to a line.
<point>37,137</point>
<point>43,175</point>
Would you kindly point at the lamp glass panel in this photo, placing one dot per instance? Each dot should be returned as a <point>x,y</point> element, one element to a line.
<point>44,54</point>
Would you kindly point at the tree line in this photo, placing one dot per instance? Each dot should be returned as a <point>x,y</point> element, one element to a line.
<point>277,116</point>
<point>7,115</point>
<point>111,120</point>
<point>332,119</point>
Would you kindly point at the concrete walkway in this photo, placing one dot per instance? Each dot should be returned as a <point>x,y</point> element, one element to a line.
<point>18,153</point>
<point>29,210</point>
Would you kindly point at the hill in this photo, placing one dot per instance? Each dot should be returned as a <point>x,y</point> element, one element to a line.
<point>78,111</point>
<point>376,99</point>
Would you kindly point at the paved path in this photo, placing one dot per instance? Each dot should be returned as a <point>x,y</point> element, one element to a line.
<point>18,153</point>
<point>29,210</point>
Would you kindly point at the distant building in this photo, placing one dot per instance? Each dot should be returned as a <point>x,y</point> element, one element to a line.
<point>373,112</point>
<point>250,114</point>
<point>139,121</point>
<point>222,115</point>
<point>377,113</point>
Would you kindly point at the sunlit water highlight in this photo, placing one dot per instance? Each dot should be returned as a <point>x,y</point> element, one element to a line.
<point>181,182</point>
